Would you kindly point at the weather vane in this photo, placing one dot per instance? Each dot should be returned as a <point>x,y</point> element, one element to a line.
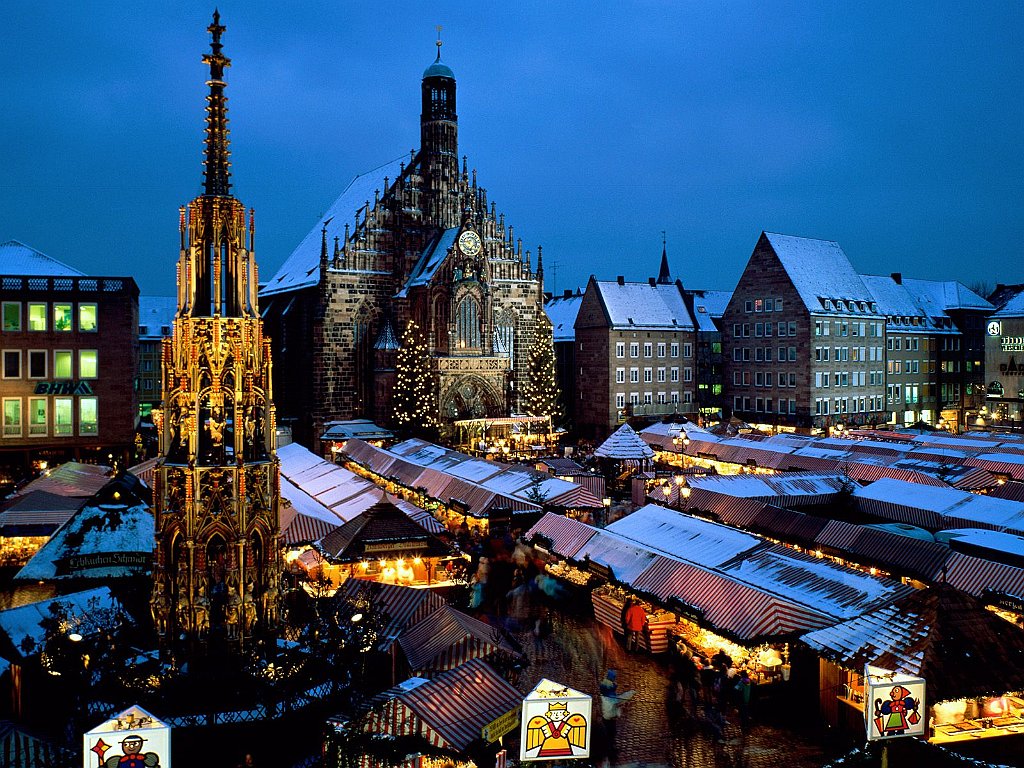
<point>439,43</point>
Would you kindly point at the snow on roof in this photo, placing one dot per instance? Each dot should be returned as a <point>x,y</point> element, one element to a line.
<point>474,470</point>
<point>709,306</point>
<point>642,305</point>
<point>95,530</point>
<point>20,259</point>
<point>155,314</point>
<point>932,498</point>
<point>752,486</point>
<point>624,443</point>
<point>24,625</point>
<point>626,558</point>
<point>301,269</point>
<point>562,313</point>
<point>673,533</point>
<point>893,298</point>
<point>431,259</point>
<point>1012,306</point>
<point>819,270</point>
<point>982,537</point>
<point>945,295</point>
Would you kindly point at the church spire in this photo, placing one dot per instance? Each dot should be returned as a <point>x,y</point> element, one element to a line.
<point>216,161</point>
<point>664,276</point>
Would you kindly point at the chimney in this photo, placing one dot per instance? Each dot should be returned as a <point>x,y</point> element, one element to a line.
<point>897,277</point>
<point>653,282</point>
<point>620,280</point>
<point>567,294</point>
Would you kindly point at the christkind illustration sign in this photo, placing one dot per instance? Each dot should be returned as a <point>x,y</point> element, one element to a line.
<point>132,738</point>
<point>894,704</point>
<point>556,723</point>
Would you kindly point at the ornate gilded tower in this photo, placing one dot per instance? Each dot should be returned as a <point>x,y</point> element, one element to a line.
<point>217,524</point>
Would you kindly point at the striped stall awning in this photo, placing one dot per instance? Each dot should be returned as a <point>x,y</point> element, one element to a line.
<point>20,750</point>
<point>567,536</point>
<point>731,510</point>
<point>728,605</point>
<point>1013,470</point>
<point>449,711</point>
<point>787,525</point>
<point>298,529</point>
<point>976,479</point>
<point>869,473</point>
<point>403,606</point>
<point>976,575</point>
<point>893,552</point>
<point>898,513</point>
<point>447,638</point>
<point>574,498</point>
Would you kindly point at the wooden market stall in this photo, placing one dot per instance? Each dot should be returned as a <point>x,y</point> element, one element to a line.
<point>971,659</point>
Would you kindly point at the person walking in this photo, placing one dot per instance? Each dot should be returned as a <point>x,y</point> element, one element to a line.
<point>636,620</point>
<point>608,688</point>
<point>744,688</point>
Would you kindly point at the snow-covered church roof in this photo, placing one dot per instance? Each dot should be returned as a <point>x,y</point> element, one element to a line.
<point>301,269</point>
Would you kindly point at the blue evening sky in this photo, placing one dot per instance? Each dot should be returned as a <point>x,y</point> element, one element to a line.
<point>894,128</point>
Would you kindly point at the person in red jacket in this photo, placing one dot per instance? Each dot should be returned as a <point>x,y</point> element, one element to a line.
<point>636,620</point>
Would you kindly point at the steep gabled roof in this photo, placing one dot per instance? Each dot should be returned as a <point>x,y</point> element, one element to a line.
<point>819,269</point>
<point>301,269</point>
<point>19,259</point>
<point>945,294</point>
<point>644,306</point>
<point>1010,301</point>
<point>431,259</point>
<point>382,525</point>
<point>709,306</point>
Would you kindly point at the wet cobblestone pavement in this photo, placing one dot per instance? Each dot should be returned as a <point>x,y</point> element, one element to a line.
<point>579,651</point>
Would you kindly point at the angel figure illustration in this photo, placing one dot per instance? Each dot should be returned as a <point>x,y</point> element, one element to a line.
<point>557,732</point>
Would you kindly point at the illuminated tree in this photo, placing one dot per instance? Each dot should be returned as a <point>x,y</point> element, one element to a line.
<point>539,393</point>
<point>415,406</point>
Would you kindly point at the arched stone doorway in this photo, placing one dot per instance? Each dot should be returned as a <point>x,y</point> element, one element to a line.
<point>470,397</point>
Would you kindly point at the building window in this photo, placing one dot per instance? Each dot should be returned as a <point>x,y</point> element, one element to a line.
<point>12,417</point>
<point>634,375</point>
<point>37,363</point>
<point>36,416</point>
<point>673,374</point>
<point>634,349</point>
<point>661,398</point>
<point>36,316</point>
<point>648,347</point>
<point>782,329</point>
<point>12,364</point>
<point>778,305</point>
<point>687,374</point>
<point>620,375</point>
<point>792,405</point>
<point>87,318</point>
<point>648,375</point>
<point>12,315</point>
<point>620,399</point>
<point>63,416</point>
<point>634,398</point>
<point>620,349</point>
<point>675,397</point>
<point>87,363</point>
<point>748,306</point>
<point>661,374</point>
<point>148,385</point>
<point>648,398</point>
<point>687,350</point>
<point>62,364</point>
<point>62,320</point>
<point>87,421</point>
<point>661,349</point>
<point>467,324</point>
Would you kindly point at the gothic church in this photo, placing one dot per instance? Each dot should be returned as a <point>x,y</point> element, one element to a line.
<point>414,239</point>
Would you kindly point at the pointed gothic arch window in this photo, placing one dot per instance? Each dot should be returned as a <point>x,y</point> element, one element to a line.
<point>467,325</point>
<point>505,336</point>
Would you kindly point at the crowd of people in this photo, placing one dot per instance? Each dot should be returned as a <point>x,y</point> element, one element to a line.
<point>715,686</point>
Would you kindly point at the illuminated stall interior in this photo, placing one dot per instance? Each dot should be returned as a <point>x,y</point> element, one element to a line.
<point>512,437</point>
<point>969,656</point>
<point>382,544</point>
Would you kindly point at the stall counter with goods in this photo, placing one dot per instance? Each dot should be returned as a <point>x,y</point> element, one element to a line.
<point>609,604</point>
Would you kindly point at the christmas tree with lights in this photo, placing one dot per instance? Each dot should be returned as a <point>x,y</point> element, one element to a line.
<point>415,407</point>
<point>539,393</point>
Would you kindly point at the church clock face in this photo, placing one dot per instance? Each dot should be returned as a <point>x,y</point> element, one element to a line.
<point>994,328</point>
<point>469,243</point>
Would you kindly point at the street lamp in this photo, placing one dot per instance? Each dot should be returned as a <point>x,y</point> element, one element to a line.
<point>684,497</point>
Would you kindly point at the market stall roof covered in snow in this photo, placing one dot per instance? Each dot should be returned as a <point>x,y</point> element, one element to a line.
<point>939,633</point>
<point>38,513</point>
<point>624,443</point>
<point>937,508</point>
<point>69,479</point>
<point>449,711</point>
<point>381,528</point>
<point>23,631</point>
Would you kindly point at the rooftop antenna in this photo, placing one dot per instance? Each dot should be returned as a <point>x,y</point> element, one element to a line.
<point>439,43</point>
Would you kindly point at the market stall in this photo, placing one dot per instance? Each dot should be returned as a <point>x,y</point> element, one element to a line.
<point>609,603</point>
<point>969,656</point>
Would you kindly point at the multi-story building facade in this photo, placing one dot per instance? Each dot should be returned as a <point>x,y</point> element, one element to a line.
<point>1004,358</point>
<point>707,308</point>
<point>414,240</point>
<point>803,339</point>
<point>69,356</point>
<point>562,311</point>
<point>156,318</point>
<point>635,354</point>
